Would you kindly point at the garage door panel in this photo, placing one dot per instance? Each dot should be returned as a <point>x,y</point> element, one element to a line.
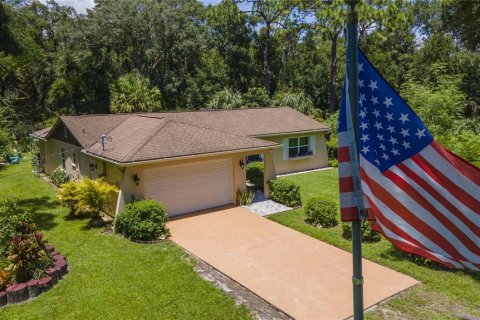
<point>189,169</point>
<point>185,179</point>
<point>187,182</point>
<point>190,187</point>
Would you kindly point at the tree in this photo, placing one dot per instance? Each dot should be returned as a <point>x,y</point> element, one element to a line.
<point>380,17</point>
<point>131,93</point>
<point>461,19</point>
<point>272,14</point>
<point>230,36</point>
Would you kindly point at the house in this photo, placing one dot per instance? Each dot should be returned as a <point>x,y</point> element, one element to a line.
<point>188,160</point>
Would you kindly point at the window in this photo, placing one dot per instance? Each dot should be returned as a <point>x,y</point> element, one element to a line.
<point>65,132</point>
<point>298,147</point>
<point>63,159</point>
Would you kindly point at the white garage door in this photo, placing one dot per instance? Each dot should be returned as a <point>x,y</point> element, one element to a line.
<point>191,187</point>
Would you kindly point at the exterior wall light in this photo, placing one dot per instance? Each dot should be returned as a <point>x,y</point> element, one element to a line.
<point>242,164</point>
<point>136,179</point>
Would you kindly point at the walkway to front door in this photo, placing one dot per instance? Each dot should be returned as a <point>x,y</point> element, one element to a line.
<point>302,276</point>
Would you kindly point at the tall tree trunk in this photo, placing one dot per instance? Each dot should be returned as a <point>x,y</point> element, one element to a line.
<point>266,60</point>
<point>333,74</point>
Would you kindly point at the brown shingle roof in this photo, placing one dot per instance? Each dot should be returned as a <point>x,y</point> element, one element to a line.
<point>42,133</point>
<point>148,136</point>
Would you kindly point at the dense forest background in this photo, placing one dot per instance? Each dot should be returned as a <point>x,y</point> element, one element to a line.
<point>151,55</point>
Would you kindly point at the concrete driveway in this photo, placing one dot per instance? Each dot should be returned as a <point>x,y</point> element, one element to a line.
<point>302,276</point>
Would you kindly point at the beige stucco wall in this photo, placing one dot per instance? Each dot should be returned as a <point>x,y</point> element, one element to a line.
<point>129,188</point>
<point>318,160</point>
<point>52,149</point>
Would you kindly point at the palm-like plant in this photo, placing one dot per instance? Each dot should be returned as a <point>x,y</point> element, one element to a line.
<point>296,100</point>
<point>132,93</point>
<point>226,99</point>
<point>94,196</point>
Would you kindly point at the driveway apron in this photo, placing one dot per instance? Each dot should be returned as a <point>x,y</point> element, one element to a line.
<point>304,277</point>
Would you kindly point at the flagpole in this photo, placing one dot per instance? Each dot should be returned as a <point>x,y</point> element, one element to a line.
<point>352,58</point>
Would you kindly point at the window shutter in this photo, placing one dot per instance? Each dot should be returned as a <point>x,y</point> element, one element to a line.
<point>311,143</point>
<point>285,148</point>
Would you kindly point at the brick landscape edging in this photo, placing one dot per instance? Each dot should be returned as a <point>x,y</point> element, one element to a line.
<point>20,292</point>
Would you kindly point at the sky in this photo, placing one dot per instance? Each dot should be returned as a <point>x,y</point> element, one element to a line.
<point>81,6</point>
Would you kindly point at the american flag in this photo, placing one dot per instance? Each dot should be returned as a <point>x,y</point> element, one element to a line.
<point>420,196</point>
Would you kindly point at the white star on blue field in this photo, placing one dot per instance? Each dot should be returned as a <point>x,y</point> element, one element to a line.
<point>389,130</point>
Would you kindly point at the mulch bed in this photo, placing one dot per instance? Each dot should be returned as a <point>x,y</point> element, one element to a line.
<point>20,292</point>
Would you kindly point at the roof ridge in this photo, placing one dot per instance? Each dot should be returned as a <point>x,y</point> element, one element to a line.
<point>216,130</point>
<point>146,140</point>
<point>107,133</point>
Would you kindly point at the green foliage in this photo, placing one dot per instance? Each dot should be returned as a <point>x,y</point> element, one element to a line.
<point>368,234</point>
<point>244,197</point>
<point>332,137</point>
<point>131,93</point>
<point>296,100</point>
<point>333,163</point>
<point>93,196</point>
<point>68,195</point>
<point>6,143</point>
<point>438,103</point>
<point>255,174</point>
<point>20,243</point>
<point>59,177</point>
<point>321,211</point>
<point>465,143</point>
<point>27,254</point>
<point>143,220</point>
<point>13,221</point>
<point>285,192</point>
<point>256,97</point>
<point>226,99</point>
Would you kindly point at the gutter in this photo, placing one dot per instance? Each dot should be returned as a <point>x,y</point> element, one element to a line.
<point>194,156</point>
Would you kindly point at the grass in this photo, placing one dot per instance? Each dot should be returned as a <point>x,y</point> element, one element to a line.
<point>442,294</point>
<point>110,277</point>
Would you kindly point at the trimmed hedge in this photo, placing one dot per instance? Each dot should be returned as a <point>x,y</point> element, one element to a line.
<point>255,172</point>
<point>321,211</point>
<point>285,192</point>
<point>368,234</point>
<point>143,220</point>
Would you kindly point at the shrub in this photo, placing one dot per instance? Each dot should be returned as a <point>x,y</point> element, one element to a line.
<point>27,255</point>
<point>69,196</point>
<point>93,196</point>
<point>59,177</point>
<point>143,220</point>
<point>368,234</point>
<point>244,197</point>
<point>255,175</point>
<point>285,192</point>
<point>333,163</point>
<point>321,212</point>
<point>13,221</point>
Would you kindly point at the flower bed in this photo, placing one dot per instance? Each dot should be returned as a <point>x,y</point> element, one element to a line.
<point>20,292</point>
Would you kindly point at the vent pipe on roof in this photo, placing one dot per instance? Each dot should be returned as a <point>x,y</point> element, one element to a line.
<point>104,137</point>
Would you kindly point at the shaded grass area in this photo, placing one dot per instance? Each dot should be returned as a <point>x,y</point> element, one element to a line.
<point>110,277</point>
<point>443,294</point>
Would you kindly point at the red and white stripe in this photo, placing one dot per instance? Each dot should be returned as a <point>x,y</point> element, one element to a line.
<point>428,205</point>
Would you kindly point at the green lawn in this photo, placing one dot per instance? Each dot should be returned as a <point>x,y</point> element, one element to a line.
<point>443,294</point>
<point>110,277</point>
